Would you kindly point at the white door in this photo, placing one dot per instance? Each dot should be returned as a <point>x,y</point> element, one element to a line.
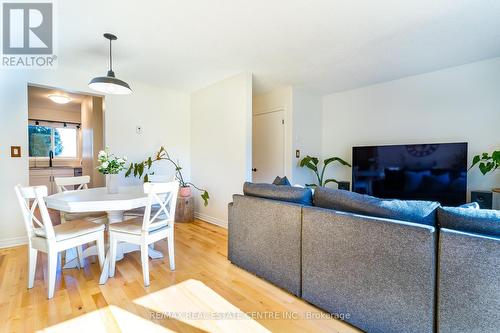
<point>268,146</point>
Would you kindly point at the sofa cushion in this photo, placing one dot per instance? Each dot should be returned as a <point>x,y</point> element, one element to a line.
<point>423,212</point>
<point>277,192</point>
<point>479,221</point>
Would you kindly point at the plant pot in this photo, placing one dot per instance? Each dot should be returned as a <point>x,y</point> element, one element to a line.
<point>185,191</point>
<point>496,198</point>
<point>112,184</point>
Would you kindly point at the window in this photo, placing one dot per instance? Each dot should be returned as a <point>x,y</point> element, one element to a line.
<point>61,140</point>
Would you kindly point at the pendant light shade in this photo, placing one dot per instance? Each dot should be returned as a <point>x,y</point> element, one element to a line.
<point>109,84</point>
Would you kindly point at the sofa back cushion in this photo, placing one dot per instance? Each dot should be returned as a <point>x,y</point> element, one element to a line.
<point>297,195</point>
<point>423,212</point>
<point>478,221</point>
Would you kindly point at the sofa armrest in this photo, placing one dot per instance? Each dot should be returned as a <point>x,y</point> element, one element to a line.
<point>264,238</point>
<point>378,273</point>
<point>468,282</point>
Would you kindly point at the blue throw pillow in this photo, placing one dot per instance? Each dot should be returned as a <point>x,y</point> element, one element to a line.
<point>423,212</point>
<point>281,181</point>
<point>298,195</point>
<point>470,205</point>
<point>479,221</point>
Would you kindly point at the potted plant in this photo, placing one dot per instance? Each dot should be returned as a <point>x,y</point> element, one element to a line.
<point>488,163</point>
<point>312,163</point>
<point>143,168</point>
<point>110,166</point>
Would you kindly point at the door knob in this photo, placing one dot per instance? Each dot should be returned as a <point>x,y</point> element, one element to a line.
<point>254,169</point>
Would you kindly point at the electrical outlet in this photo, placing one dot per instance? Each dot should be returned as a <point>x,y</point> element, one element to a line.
<point>138,129</point>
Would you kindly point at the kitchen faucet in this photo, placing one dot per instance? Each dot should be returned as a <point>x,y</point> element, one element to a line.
<point>51,157</point>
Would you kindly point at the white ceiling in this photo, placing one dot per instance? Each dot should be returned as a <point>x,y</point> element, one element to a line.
<point>320,46</point>
<point>38,97</point>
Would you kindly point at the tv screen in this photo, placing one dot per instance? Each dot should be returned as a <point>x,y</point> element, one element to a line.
<point>436,172</point>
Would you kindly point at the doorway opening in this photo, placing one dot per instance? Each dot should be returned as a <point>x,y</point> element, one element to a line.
<point>268,145</point>
<point>65,132</point>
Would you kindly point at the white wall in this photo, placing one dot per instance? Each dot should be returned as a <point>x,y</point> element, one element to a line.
<point>221,143</point>
<point>303,113</point>
<point>452,105</point>
<point>307,128</point>
<point>163,114</point>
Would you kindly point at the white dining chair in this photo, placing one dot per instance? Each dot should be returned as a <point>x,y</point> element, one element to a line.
<point>150,228</point>
<point>139,212</point>
<point>43,236</point>
<point>76,183</point>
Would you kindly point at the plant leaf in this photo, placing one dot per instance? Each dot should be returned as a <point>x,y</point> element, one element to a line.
<point>150,161</point>
<point>331,180</point>
<point>205,198</point>
<point>310,163</point>
<point>129,171</point>
<point>475,161</point>
<point>336,159</point>
<point>140,169</point>
<point>146,178</point>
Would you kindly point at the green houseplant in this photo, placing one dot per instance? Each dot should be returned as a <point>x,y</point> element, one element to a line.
<point>312,163</point>
<point>486,162</point>
<point>143,169</point>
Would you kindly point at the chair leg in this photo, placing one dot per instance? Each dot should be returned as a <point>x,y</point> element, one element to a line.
<point>145,263</point>
<point>171,254</point>
<point>79,250</point>
<point>52,261</point>
<point>112,254</point>
<point>100,249</point>
<point>32,256</point>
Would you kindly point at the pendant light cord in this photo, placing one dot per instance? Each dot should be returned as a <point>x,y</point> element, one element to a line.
<point>110,57</point>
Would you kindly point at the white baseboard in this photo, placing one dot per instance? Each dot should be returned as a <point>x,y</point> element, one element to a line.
<point>211,219</point>
<point>15,241</point>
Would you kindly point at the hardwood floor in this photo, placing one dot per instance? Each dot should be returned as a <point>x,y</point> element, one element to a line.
<point>204,283</point>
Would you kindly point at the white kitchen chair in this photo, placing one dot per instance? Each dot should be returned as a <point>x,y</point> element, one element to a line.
<point>150,228</point>
<point>43,236</point>
<point>139,212</point>
<point>64,184</point>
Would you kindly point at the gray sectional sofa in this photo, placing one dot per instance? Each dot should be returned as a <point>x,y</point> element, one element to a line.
<point>382,265</point>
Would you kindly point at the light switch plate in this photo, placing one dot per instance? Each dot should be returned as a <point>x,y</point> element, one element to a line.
<point>297,153</point>
<point>15,151</point>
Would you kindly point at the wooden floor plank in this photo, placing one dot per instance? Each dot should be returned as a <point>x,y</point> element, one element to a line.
<point>203,278</point>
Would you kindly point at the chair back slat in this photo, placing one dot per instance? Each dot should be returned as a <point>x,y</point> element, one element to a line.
<point>62,183</point>
<point>165,195</point>
<point>30,198</point>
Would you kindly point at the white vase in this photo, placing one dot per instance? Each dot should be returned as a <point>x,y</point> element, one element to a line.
<point>112,183</point>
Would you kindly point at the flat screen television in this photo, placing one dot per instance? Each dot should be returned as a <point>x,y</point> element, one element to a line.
<point>436,172</point>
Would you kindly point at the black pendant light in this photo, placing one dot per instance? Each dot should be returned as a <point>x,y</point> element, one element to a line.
<point>109,84</point>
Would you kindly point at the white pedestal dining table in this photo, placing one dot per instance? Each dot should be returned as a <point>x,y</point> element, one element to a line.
<point>98,200</point>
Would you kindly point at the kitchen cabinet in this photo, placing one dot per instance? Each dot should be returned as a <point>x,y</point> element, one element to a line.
<point>45,177</point>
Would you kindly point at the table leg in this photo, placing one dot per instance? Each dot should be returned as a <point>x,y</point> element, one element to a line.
<point>71,259</point>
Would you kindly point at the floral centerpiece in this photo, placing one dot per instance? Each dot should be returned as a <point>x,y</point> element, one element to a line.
<point>111,166</point>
